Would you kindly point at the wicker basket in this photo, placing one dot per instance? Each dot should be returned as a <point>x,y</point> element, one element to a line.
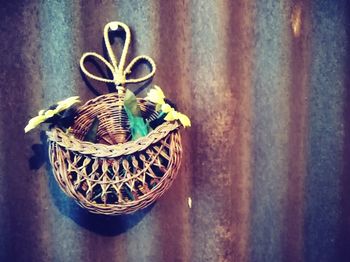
<point>115,175</point>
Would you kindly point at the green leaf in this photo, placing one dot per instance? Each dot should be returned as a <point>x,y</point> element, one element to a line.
<point>139,127</point>
<point>130,102</point>
<point>92,132</point>
<point>137,124</point>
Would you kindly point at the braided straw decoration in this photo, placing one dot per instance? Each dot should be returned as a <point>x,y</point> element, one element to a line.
<point>120,184</point>
<point>118,72</point>
<point>115,175</point>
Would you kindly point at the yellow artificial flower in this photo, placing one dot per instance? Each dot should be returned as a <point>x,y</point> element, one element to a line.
<point>166,108</point>
<point>49,113</point>
<point>67,103</point>
<point>185,120</point>
<point>157,96</point>
<point>34,122</point>
<point>43,115</point>
<point>174,115</point>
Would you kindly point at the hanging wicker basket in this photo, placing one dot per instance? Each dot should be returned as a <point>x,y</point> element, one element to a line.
<point>115,175</point>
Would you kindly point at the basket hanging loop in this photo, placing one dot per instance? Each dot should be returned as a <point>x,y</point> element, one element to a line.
<point>118,72</point>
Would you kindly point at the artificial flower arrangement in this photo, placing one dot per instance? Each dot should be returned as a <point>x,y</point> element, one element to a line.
<point>117,153</point>
<point>62,113</point>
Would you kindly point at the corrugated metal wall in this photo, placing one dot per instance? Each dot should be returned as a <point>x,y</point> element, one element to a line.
<point>266,162</point>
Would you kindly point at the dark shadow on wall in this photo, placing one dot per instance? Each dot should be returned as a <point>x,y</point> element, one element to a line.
<point>99,224</point>
<point>344,236</point>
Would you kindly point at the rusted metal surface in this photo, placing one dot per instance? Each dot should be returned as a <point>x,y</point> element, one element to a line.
<point>266,159</point>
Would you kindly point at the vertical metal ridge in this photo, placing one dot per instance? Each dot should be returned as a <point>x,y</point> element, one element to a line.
<point>299,65</point>
<point>344,225</point>
<point>325,132</point>
<point>238,23</point>
<point>270,129</point>
<point>57,23</point>
<point>20,188</point>
<point>172,53</point>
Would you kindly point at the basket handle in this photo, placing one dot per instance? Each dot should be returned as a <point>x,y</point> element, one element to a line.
<point>118,72</point>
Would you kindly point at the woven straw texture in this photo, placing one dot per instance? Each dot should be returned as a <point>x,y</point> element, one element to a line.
<point>119,178</point>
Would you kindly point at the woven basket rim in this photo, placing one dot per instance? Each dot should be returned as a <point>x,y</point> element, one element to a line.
<point>112,94</point>
<point>68,141</point>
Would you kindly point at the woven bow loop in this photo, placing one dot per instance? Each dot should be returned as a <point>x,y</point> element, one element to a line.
<point>119,74</point>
